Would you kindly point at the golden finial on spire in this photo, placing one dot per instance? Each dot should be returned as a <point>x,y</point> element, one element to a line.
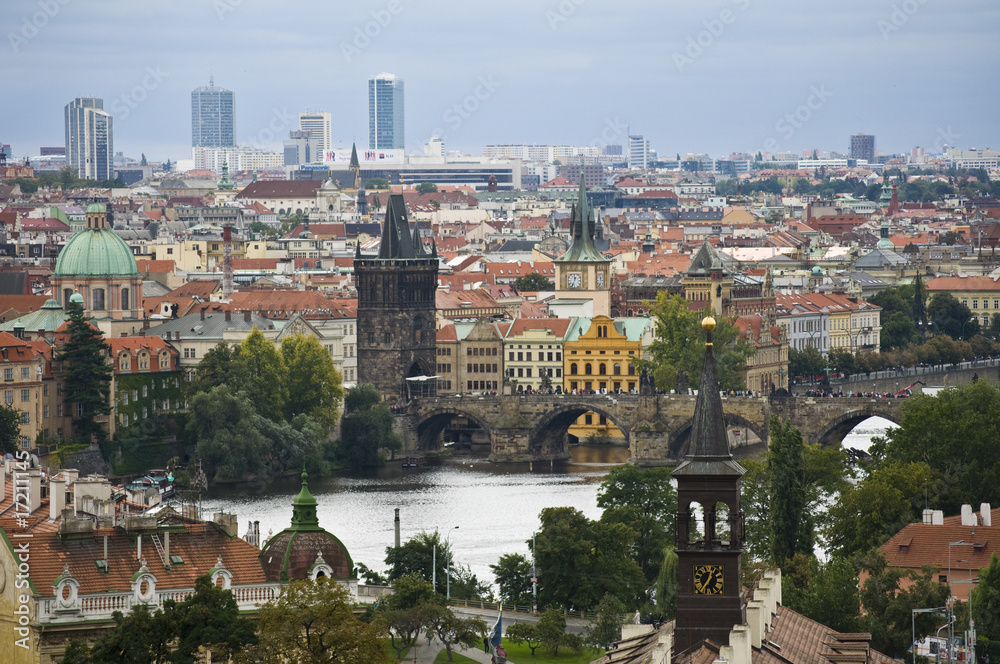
<point>708,324</point>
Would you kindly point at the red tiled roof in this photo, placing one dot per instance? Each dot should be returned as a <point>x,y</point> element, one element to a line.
<point>281,189</point>
<point>44,224</point>
<point>963,284</point>
<point>157,266</point>
<point>200,288</point>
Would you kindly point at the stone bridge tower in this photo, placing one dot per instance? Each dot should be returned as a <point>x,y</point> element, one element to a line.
<point>396,309</point>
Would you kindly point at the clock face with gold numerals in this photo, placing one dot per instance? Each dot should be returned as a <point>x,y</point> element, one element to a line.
<point>708,579</point>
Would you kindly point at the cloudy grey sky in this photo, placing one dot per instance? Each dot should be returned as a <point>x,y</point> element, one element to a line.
<point>691,75</point>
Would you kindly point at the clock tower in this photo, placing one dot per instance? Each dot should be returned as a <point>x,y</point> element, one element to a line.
<point>583,271</point>
<point>710,539</point>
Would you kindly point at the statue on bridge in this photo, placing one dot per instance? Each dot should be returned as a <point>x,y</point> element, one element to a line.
<point>683,382</point>
<point>647,387</point>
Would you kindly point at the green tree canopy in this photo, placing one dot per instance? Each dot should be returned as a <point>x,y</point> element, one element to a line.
<point>679,345</point>
<point>579,561</point>
<point>427,188</point>
<point>532,282</point>
<point>806,363</point>
<point>644,500</point>
<point>951,317</point>
<point>314,384</point>
<point>87,375</point>
<point>451,630</point>
<point>791,526</point>
<point>221,365</point>
<point>376,183</point>
<point>513,576</point>
<point>985,600</point>
<point>313,622</point>
<point>366,428</point>
<point>607,627</point>
<point>10,429</point>
<point>267,376</point>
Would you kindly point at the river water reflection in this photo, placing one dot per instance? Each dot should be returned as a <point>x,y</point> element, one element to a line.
<point>496,506</point>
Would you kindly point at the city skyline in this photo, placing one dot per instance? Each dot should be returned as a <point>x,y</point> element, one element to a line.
<point>714,77</point>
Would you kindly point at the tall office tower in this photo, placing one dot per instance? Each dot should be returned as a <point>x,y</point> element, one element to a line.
<point>638,152</point>
<point>318,125</point>
<point>89,138</point>
<point>385,112</point>
<point>213,116</point>
<point>863,147</point>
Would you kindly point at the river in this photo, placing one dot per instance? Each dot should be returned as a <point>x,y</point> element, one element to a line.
<point>495,506</point>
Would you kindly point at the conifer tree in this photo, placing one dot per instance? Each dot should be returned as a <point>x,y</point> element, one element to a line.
<point>87,375</point>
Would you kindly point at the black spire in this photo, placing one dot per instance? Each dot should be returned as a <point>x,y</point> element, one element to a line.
<point>355,164</point>
<point>708,453</point>
<point>918,303</point>
<point>396,239</point>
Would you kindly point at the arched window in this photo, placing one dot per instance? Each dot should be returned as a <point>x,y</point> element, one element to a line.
<point>587,369</point>
<point>618,369</point>
<point>631,370</point>
<point>97,299</point>
<point>572,369</point>
<point>125,298</point>
<point>602,368</point>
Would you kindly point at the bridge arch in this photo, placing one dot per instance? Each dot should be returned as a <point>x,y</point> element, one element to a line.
<point>680,438</point>
<point>432,423</point>
<point>548,437</point>
<point>833,432</point>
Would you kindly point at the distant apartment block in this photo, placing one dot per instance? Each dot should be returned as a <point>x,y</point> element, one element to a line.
<point>302,147</point>
<point>593,174</point>
<point>542,153</point>
<point>238,158</point>
<point>213,116</point>
<point>638,152</point>
<point>317,123</point>
<point>385,113</point>
<point>89,138</point>
<point>863,147</point>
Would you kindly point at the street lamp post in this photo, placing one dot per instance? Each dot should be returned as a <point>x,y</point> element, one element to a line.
<point>913,626</point>
<point>448,553</point>
<point>951,627</point>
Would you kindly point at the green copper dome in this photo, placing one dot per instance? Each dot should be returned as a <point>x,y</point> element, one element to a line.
<point>96,253</point>
<point>96,207</point>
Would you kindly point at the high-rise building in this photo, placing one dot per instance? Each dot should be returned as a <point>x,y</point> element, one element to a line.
<point>385,113</point>
<point>213,116</point>
<point>638,152</point>
<point>89,138</point>
<point>863,147</point>
<point>302,147</point>
<point>318,125</point>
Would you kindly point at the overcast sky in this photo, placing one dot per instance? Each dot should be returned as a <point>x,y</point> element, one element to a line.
<point>691,75</point>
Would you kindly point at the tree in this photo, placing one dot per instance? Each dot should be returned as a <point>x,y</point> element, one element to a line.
<point>876,508</point>
<point>888,607</point>
<point>791,527</point>
<point>142,161</point>
<point>10,429</point>
<point>376,183</point>
<point>644,500</point>
<point>401,614</point>
<point>806,363</point>
<point>229,441</point>
<point>985,600</point>
<point>830,597</point>
<point>667,585</point>
<point>841,359</point>
<point>551,630</point>
<point>579,561</point>
<point>607,628</point>
<point>87,375</point>
<point>513,575</point>
<point>220,366</point>
<point>314,384</point>
<point>951,317</point>
<point>416,557</point>
<point>532,282</point>
<point>140,637</point>
<point>267,386</point>
<point>523,633</point>
<point>427,188</point>
<point>954,434</point>
<point>451,630</point>
<point>210,618</point>
<point>366,429</point>
<point>679,345</point>
<point>313,622</point>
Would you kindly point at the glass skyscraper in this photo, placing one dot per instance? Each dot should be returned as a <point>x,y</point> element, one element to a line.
<point>89,138</point>
<point>385,113</point>
<point>213,116</point>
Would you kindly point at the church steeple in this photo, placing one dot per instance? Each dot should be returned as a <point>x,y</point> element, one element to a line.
<point>710,597</point>
<point>304,515</point>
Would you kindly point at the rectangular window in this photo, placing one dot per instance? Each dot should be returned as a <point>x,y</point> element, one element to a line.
<point>125,420</point>
<point>25,373</point>
<point>59,411</point>
<point>25,395</point>
<point>79,410</point>
<point>45,390</point>
<point>25,417</point>
<point>510,356</point>
<point>45,411</point>
<point>8,374</point>
<point>8,396</point>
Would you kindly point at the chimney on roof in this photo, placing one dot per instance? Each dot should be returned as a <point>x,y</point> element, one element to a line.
<point>968,517</point>
<point>937,518</point>
<point>985,514</point>
<point>203,313</point>
<point>34,489</point>
<point>57,497</point>
<point>928,517</point>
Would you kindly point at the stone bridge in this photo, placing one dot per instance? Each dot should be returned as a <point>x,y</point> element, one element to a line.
<point>656,428</point>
